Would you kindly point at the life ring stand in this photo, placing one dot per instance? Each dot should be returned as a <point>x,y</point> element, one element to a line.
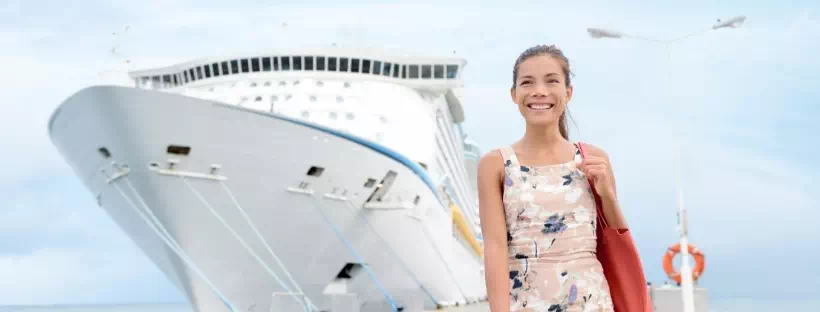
<point>670,254</point>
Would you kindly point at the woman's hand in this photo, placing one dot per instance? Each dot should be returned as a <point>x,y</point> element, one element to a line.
<point>596,166</point>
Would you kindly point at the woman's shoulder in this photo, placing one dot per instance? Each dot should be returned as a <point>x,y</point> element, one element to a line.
<point>491,162</point>
<point>492,157</point>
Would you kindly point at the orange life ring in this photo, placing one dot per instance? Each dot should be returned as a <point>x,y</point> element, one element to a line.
<point>670,254</point>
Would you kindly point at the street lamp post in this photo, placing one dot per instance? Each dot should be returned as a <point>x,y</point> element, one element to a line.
<point>687,287</point>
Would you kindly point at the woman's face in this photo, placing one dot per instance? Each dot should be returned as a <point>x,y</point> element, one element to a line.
<point>540,90</point>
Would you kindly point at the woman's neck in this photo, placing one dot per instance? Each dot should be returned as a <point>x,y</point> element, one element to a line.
<point>546,137</point>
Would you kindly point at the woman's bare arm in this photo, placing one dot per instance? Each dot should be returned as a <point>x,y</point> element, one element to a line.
<point>494,230</point>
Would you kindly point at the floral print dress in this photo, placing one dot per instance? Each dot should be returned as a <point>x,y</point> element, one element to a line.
<point>551,216</point>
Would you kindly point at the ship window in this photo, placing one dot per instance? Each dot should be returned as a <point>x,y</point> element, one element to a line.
<point>297,63</point>
<point>215,69</point>
<point>320,63</point>
<point>176,82</point>
<point>344,64</point>
<point>275,63</point>
<point>104,152</point>
<point>334,115</point>
<point>308,63</point>
<point>452,71</point>
<point>179,150</point>
<point>286,63</point>
<point>315,171</point>
<point>387,67</point>
<point>258,99</point>
<point>354,65</point>
<point>377,67</point>
<point>313,98</point>
<point>438,71</point>
<point>245,66</point>
<point>332,64</point>
<point>207,69</point>
<point>395,70</point>
<point>305,114</point>
<point>404,72</point>
<point>426,71</point>
<point>166,80</point>
<point>350,116</point>
<point>340,99</point>
<point>199,72</point>
<point>234,67</point>
<point>255,65</point>
<point>320,83</point>
<point>225,69</point>
<point>414,72</point>
<point>282,83</point>
<point>366,66</point>
<point>267,83</point>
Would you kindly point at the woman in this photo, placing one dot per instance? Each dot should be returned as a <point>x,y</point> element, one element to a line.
<point>538,215</point>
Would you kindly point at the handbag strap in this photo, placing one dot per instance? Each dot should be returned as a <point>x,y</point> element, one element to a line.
<point>595,195</point>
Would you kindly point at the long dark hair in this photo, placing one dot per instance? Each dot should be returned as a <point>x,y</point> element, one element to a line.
<point>555,52</point>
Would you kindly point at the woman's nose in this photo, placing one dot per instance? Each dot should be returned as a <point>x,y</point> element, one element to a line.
<point>541,89</point>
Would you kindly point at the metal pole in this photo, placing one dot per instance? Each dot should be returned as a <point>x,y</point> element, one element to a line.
<point>687,287</point>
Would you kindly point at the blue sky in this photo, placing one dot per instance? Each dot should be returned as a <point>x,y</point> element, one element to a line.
<point>742,101</point>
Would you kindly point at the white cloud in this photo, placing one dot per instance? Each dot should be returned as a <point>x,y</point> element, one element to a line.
<point>79,276</point>
<point>58,247</point>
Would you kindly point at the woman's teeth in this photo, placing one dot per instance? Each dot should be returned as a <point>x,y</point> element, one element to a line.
<point>540,106</point>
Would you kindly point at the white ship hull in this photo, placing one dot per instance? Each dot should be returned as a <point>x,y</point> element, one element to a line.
<point>313,225</point>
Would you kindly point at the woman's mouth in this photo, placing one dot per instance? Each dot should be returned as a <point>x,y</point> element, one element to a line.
<point>540,106</point>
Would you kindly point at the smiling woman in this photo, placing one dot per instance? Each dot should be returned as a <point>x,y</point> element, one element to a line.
<point>546,203</point>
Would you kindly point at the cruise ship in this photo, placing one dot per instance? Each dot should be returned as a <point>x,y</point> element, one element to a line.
<point>305,180</point>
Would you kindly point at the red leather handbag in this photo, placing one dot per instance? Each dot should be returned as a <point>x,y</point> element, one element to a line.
<point>621,263</point>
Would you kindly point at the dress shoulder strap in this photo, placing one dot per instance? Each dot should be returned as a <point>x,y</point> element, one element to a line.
<point>508,154</point>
